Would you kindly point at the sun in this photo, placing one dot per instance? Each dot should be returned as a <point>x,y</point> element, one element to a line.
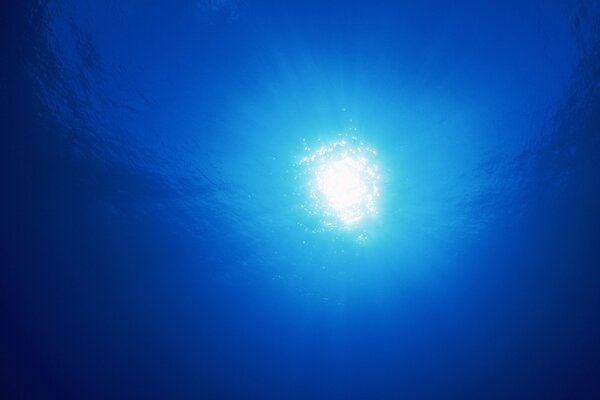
<point>343,181</point>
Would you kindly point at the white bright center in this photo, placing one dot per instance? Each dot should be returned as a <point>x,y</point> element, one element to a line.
<point>343,184</point>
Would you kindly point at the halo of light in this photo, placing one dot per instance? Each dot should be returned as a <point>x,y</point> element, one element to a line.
<point>342,182</point>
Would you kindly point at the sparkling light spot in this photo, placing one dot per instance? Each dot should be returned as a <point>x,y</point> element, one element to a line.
<point>342,181</point>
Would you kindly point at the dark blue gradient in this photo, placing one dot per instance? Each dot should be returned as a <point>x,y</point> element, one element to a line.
<point>154,239</point>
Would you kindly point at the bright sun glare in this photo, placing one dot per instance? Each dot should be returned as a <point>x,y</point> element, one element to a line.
<point>343,181</point>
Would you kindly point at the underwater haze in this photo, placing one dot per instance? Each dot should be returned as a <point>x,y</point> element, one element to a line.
<point>235,199</point>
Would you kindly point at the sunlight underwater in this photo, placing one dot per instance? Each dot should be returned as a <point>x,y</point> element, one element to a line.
<point>444,173</point>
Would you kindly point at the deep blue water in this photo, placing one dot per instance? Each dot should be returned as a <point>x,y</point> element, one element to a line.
<point>157,231</point>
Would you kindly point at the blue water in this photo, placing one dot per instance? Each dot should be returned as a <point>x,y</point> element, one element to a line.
<point>159,235</point>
